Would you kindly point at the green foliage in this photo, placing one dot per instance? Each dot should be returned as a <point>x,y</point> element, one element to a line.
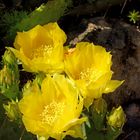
<point>12,111</point>
<point>134,16</point>
<point>12,131</point>
<point>9,19</point>
<point>10,117</point>
<point>49,12</point>
<point>13,17</point>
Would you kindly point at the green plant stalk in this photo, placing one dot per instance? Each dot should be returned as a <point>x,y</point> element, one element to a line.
<point>96,135</point>
<point>112,133</point>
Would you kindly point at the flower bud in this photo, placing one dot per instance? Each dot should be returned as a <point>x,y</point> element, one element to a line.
<point>99,109</point>
<point>117,118</point>
<point>9,76</point>
<point>12,110</point>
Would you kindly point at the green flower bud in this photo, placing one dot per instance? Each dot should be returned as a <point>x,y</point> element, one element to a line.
<point>9,76</point>
<point>12,110</point>
<point>27,88</point>
<point>39,78</point>
<point>100,106</point>
<point>115,121</point>
<point>117,118</point>
<point>8,57</point>
<point>99,110</point>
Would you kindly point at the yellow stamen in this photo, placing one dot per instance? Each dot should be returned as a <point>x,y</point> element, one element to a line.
<point>90,75</point>
<point>52,112</point>
<point>85,74</point>
<point>42,51</point>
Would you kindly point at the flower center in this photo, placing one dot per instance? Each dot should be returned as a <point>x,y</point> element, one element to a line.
<point>52,112</point>
<point>90,75</point>
<point>86,74</point>
<point>42,51</point>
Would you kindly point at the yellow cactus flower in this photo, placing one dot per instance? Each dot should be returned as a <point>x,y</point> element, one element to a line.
<point>41,48</point>
<point>90,66</point>
<point>54,110</point>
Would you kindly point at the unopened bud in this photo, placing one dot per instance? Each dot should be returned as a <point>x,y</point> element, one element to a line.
<point>99,110</point>
<point>117,118</point>
<point>9,76</point>
<point>12,110</point>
